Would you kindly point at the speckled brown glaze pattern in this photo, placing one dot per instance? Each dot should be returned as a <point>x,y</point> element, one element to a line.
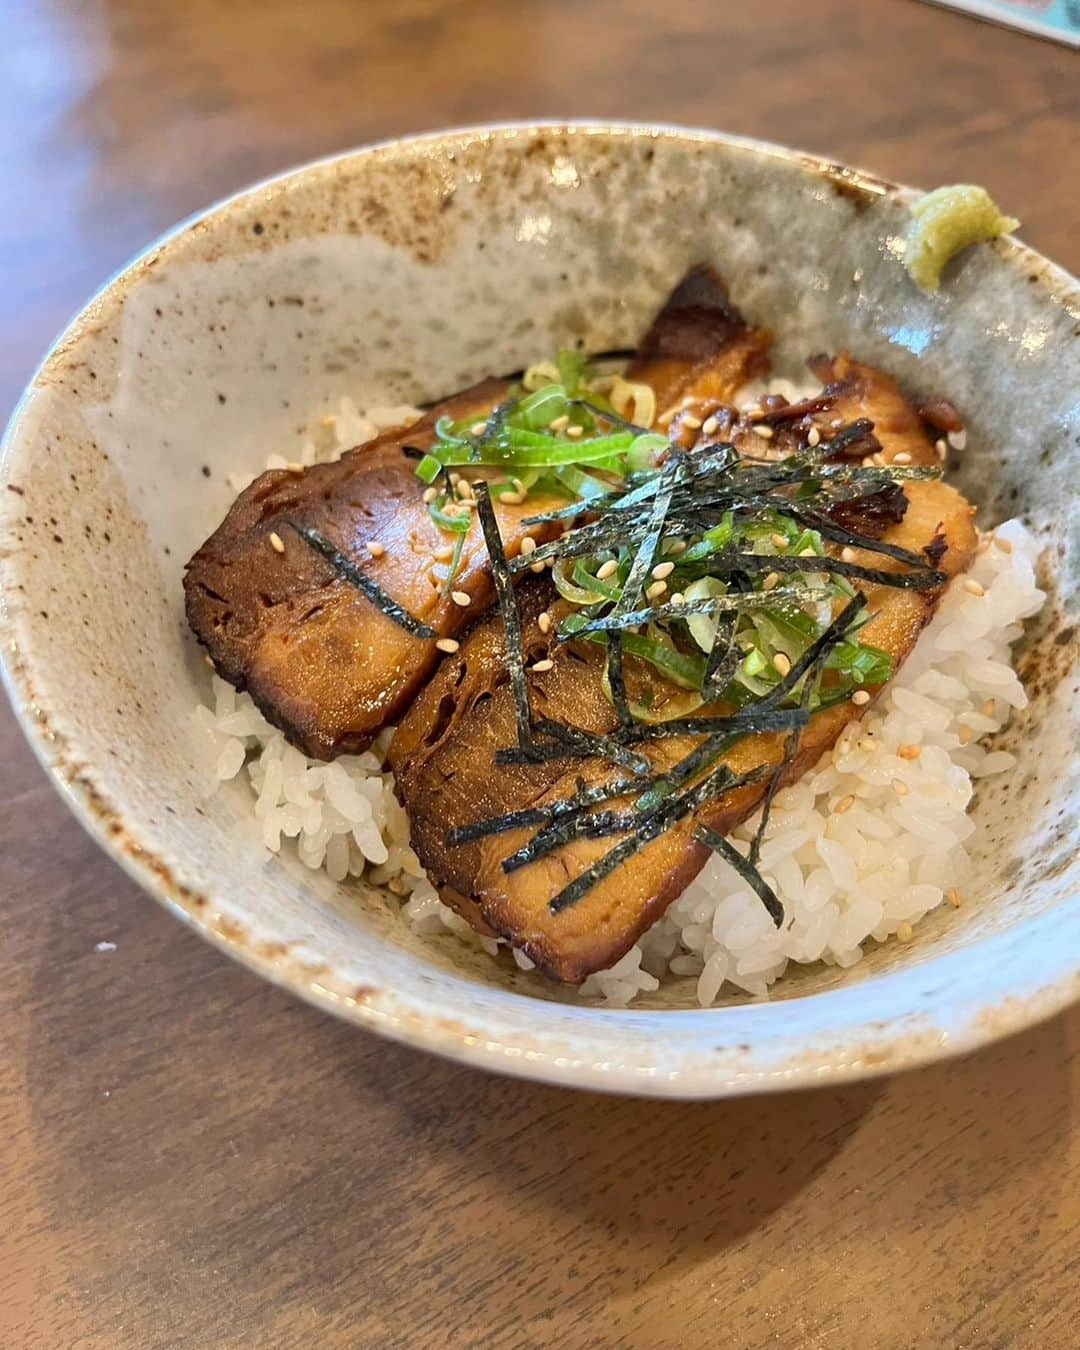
<point>405,272</point>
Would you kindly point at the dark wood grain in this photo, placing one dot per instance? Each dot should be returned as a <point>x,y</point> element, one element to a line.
<point>191,1158</point>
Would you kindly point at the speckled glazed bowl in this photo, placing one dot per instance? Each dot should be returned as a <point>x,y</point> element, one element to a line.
<point>402,272</point>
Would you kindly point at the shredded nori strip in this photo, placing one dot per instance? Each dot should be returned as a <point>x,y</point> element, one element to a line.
<point>753,878</point>
<point>613,417</point>
<point>697,761</point>
<point>347,569</point>
<point>838,534</point>
<point>544,815</point>
<point>504,589</point>
<point>672,810</point>
<point>576,741</point>
<point>924,579</point>
<point>635,579</point>
<point>735,601</point>
<point>560,833</point>
<point>844,622</point>
<point>753,720</point>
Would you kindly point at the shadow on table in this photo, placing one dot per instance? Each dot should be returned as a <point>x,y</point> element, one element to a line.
<point>664,1178</point>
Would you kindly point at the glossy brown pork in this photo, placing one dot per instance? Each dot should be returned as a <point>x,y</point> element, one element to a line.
<point>444,750</point>
<point>699,347</point>
<point>321,661</point>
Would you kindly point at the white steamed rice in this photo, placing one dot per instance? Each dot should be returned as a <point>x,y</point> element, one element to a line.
<point>860,849</point>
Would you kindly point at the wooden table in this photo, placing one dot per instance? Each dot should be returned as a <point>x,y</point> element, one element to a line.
<point>191,1158</point>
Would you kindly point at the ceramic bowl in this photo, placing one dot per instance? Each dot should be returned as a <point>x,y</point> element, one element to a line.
<point>400,273</point>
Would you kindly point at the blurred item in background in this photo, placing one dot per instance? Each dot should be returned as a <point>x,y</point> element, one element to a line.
<point>1055,19</point>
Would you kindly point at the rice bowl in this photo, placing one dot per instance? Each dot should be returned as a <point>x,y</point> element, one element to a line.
<point>107,692</point>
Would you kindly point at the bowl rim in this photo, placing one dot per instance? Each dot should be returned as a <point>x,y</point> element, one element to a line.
<point>882,1047</point>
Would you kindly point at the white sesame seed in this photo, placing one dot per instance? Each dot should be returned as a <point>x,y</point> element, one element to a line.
<point>847,555</point>
<point>691,421</point>
<point>462,598</point>
<point>780,540</point>
<point>942,448</point>
<point>430,494</point>
<point>860,698</point>
<point>512,498</point>
<point>662,570</point>
<point>675,546</point>
<point>448,645</point>
<point>688,401</point>
<point>879,461</point>
<point>575,431</point>
<point>541,666</point>
<point>478,428</point>
<point>866,744</point>
<point>528,544</point>
<point>656,590</point>
<point>958,439</point>
<point>665,417</point>
<point>276,542</point>
<point>606,569</point>
<point>295,466</point>
<point>753,410</point>
<point>544,622</point>
<point>782,664</point>
<point>444,554</point>
<point>765,432</point>
<point>844,804</point>
<point>677,598</point>
<point>455,479</point>
<point>537,566</point>
<point>808,552</point>
<point>465,490</point>
<point>974,587</point>
<point>375,548</point>
<point>904,931</point>
<point>838,422</point>
<point>868,462</point>
<point>813,436</point>
<point>770,581</point>
<point>559,423</point>
<point>902,458</point>
<point>709,426</point>
<point>1004,544</point>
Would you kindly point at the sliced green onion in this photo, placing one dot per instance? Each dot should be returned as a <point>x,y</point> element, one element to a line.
<point>561,574</point>
<point>453,524</point>
<point>601,589</point>
<point>429,469</point>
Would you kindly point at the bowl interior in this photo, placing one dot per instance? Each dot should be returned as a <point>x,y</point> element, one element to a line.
<point>400,274</point>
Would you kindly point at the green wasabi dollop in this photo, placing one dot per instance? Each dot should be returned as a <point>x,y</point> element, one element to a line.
<point>946,221</point>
